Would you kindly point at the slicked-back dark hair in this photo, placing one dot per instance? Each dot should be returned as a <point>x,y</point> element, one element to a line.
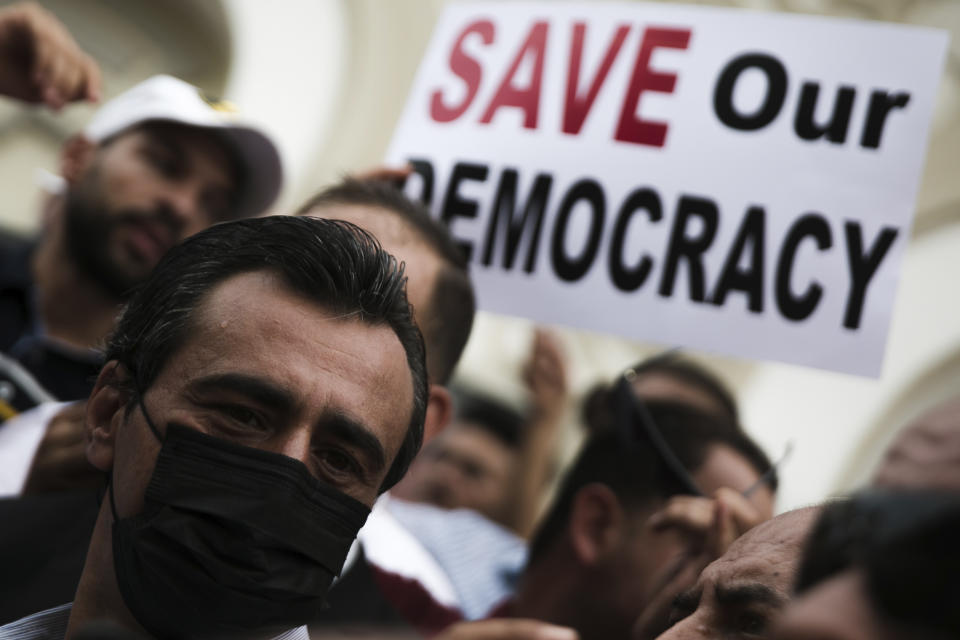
<point>331,263</point>
<point>447,321</point>
<point>631,467</point>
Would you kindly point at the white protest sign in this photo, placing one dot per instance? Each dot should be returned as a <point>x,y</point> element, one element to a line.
<point>728,180</point>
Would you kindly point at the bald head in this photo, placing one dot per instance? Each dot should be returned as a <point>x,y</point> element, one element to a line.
<point>738,594</point>
<point>926,454</point>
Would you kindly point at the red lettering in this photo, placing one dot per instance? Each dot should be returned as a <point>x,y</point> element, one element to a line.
<point>468,69</point>
<point>576,108</point>
<point>634,129</point>
<point>527,99</point>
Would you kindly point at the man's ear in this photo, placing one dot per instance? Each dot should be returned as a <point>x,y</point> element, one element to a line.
<point>106,411</point>
<point>596,520</point>
<point>75,157</point>
<point>439,412</point>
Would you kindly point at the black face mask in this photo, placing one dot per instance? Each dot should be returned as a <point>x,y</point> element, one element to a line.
<point>232,541</point>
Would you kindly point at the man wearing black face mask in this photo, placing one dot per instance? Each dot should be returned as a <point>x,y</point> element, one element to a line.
<point>262,388</point>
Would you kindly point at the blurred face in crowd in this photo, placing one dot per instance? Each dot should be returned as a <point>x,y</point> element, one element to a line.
<point>739,595</point>
<point>463,467</point>
<point>134,196</point>
<point>648,558</point>
<point>926,454</point>
<point>839,609</point>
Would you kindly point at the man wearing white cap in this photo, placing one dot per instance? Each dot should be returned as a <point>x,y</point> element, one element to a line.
<point>156,164</point>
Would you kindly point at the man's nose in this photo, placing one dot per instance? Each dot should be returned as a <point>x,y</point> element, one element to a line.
<point>293,443</point>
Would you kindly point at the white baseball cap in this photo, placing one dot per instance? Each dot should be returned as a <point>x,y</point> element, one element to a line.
<point>169,99</point>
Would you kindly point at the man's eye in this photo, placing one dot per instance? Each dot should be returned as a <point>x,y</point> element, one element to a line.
<point>337,463</point>
<point>473,471</point>
<point>243,417</point>
<point>163,161</point>
<point>751,624</point>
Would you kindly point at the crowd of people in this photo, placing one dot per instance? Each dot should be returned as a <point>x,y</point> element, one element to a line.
<point>212,422</point>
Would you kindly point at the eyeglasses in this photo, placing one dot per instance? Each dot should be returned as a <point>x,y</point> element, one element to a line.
<point>629,406</point>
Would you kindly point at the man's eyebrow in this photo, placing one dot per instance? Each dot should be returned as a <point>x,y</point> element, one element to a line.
<point>355,433</point>
<point>261,391</point>
<point>747,593</point>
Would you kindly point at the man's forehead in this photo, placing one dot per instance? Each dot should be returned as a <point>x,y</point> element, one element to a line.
<point>245,301</point>
<point>769,551</point>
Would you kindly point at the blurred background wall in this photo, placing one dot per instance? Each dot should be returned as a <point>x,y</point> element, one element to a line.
<point>329,78</point>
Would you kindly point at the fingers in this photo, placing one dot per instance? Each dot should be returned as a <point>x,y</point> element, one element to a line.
<point>740,510</point>
<point>689,513</point>
<point>507,629</point>
<point>717,522</point>
<point>545,373</point>
<point>62,71</point>
<point>385,174</point>
<point>44,63</point>
<point>722,533</point>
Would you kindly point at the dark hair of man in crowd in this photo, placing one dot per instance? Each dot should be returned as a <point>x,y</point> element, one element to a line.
<point>599,400</point>
<point>447,322</point>
<point>331,263</point>
<point>905,543</point>
<point>674,365</point>
<point>492,416</point>
<point>630,466</point>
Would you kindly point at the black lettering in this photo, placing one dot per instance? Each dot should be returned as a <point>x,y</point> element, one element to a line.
<point>624,278</point>
<point>456,207</point>
<point>793,307</point>
<point>772,102</point>
<point>881,104</point>
<point>424,169</point>
<point>835,129</point>
<point>682,246</point>
<point>750,279</point>
<point>572,269</point>
<point>504,206</point>
<point>862,268</point>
